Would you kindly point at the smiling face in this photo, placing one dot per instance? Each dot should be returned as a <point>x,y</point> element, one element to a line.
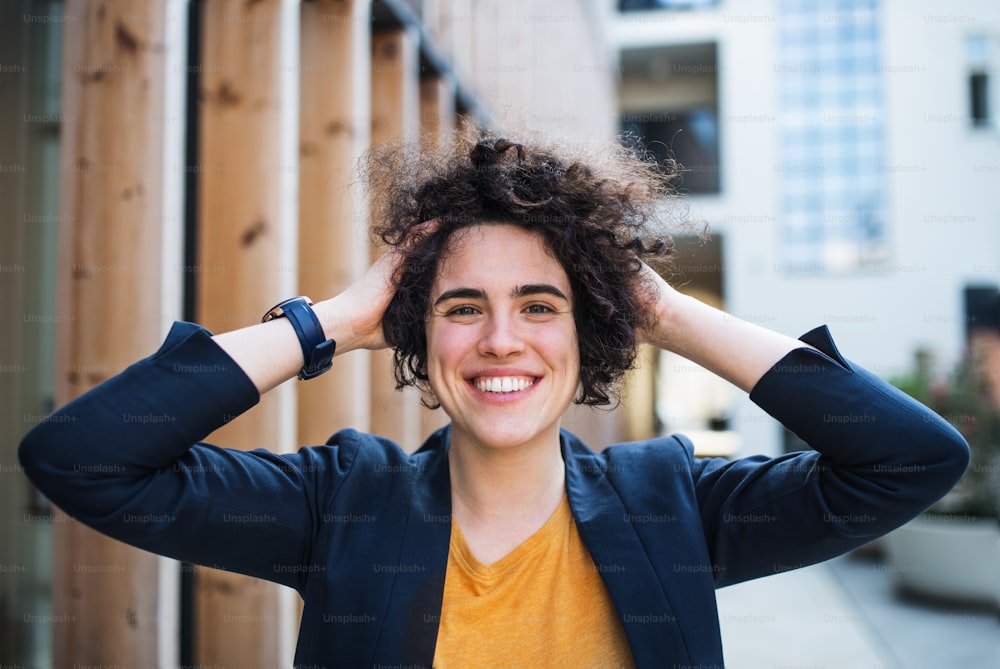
<point>502,352</point>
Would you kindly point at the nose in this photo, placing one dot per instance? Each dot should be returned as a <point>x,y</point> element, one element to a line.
<point>500,338</point>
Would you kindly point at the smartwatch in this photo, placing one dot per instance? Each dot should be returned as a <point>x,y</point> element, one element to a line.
<point>317,350</point>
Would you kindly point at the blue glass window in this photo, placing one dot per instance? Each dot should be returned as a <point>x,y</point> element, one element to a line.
<point>832,154</point>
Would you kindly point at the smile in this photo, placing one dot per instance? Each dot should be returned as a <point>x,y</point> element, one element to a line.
<point>503,384</point>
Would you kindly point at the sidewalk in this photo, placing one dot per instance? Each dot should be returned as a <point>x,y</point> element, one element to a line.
<point>843,615</point>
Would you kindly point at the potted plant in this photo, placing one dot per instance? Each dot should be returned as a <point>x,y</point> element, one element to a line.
<point>952,551</point>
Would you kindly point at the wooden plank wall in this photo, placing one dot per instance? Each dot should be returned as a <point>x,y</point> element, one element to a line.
<point>395,81</point>
<point>333,244</point>
<point>437,112</point>
<point>437,127</point>
<point>110,274</point>
<point>242,250</point>
<point>270,223</point>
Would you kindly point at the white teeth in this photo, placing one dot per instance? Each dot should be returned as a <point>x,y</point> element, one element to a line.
<point>503,384</point>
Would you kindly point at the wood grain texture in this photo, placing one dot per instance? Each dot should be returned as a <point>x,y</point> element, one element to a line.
<point>109,311</point>
<point>239,276</point>
<point>395,117</point>
<point>333,242</point>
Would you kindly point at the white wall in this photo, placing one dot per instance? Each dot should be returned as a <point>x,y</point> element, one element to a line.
<point>943,185</point>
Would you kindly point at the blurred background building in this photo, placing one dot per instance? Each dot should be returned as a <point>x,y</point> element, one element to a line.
<point>196,159</point>
<point>845,157</point>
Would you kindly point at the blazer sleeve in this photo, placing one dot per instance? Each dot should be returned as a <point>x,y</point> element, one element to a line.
<point>880,459</point>
<point>125,458</point>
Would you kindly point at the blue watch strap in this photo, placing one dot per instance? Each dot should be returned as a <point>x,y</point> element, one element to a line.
<point>317,350</point>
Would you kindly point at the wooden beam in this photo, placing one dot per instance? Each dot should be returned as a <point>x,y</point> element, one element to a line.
<point>109,306</point>
<point>246,248</point>
<point>639,397</point>
<point>437,128</point>
<point>394,104</point>
<point>395,85</point>
<point>333,243</point>
<point>437,113</point>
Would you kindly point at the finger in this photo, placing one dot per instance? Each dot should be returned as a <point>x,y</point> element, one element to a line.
<point>420,232</point>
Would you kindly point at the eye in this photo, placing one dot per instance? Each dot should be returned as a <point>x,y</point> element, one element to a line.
<point>463,310</point>
<point>539,309</point>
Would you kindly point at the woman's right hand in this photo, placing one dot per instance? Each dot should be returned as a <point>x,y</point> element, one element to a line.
<point>354,317</point>
<point>269,353</point>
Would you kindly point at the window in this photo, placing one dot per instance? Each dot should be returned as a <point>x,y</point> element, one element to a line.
<point>668,97</point>
<point>979,98</point>
<point>831,167</point>
<point>689,136</point>
<point>982,56</point>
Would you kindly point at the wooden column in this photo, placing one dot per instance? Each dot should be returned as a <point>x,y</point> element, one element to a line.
<point>437,127</point>
<point>437,112</point>
<point>109,305</point>
<point>333,242</point>
<point>639,399</point>
<point>395,96</point>
<point>246,259</point>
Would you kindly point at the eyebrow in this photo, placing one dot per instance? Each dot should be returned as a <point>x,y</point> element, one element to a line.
<point>538,289</point>
<point>519,291</point>
<point>460,293</point>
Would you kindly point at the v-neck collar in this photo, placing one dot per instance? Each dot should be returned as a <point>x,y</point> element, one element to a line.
<point>488,572</point>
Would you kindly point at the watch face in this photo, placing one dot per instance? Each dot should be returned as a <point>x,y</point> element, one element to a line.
<point>278,310</point>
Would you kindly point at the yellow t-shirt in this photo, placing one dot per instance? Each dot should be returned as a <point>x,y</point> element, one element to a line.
<point>542,605</point>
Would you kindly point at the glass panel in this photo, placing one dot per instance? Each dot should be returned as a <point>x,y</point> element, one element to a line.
<point>688,136</point>
<point>979,99</point>
<point>669,99</point>
<point>832,148</point>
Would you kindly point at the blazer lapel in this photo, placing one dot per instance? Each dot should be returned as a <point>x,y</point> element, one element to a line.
<point>409,631</point>
<point>650,622</point>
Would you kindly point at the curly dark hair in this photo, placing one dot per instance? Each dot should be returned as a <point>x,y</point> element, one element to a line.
<point>593,216</point>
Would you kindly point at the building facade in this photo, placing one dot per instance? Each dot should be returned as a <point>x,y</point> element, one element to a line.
<point>843,156</point>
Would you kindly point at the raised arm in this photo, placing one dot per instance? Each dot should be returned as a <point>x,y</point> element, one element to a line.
<point>126,458</point>
<point>880,457</point>
<point>738,351</point>
<point>269,353</point>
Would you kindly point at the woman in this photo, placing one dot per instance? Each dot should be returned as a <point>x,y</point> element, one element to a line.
<point>514,286</point>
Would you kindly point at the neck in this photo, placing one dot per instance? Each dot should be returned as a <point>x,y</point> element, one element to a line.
<point>505,485</point>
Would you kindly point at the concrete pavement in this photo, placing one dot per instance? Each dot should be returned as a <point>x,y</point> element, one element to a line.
<point>844,614</point>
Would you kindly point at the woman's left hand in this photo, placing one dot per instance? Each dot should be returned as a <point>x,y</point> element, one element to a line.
<point>655,297</point>
<point>738,351</point>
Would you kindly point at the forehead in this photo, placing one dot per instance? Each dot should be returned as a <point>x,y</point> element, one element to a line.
<point>497,254</point>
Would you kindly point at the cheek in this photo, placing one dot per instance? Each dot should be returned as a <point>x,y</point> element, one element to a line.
<point>445,347</point>
<point>563,346</point>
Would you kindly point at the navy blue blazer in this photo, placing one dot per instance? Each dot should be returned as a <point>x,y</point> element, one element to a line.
<point>361,529</point>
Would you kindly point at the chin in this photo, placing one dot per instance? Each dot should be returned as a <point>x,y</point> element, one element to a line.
<point>504,437</point>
